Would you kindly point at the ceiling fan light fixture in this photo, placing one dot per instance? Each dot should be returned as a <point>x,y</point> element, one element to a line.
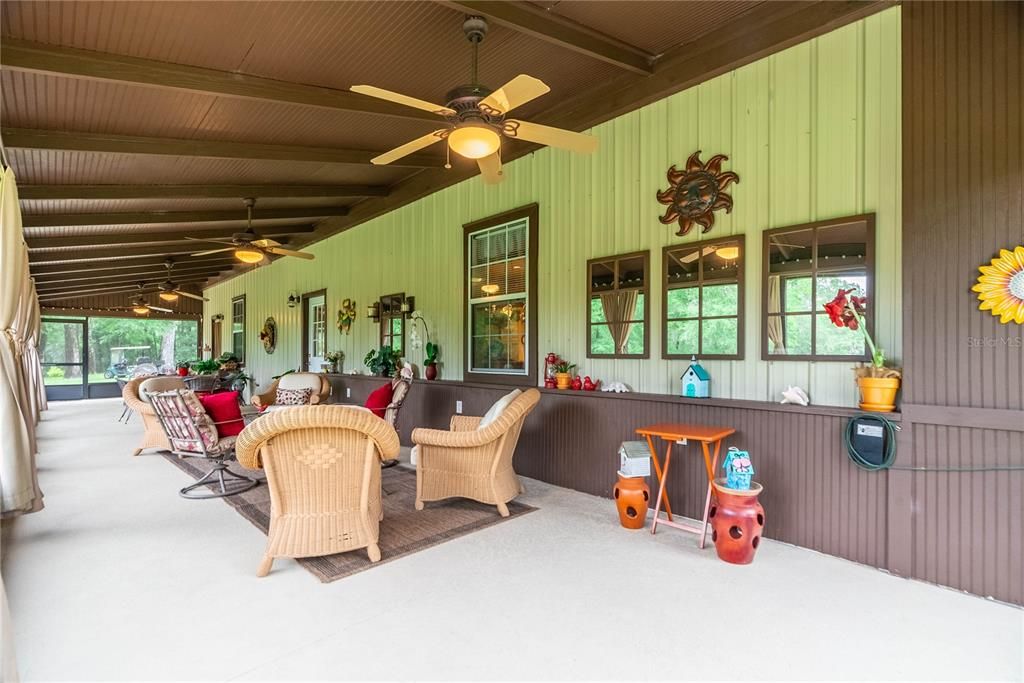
<point>474,140</point>
<point>490,289</point>
<point>168,296</point>
<point>140,310</point>
<point>728,253</point>
<point>248,255</point>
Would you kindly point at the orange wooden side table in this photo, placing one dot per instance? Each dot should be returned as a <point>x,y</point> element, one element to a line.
<point>672,433</point>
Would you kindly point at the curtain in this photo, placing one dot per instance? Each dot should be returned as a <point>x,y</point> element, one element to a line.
<point>775,330</point>
<point>618,309</point>
<point>19,492</point>
<point>35,335</point>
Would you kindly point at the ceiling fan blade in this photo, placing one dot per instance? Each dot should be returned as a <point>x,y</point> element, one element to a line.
<point>408,148</point>
<point>211,251</point>
<point>190,295</point>
<point>515,93</point>
<point>490,169</point>
<point>391,96</point>
<point>552,137</point>
<point>692,256</point>
<point>289,252</point>
<point>203,239</point>
<point>158,308</point>
<point>264,242</point>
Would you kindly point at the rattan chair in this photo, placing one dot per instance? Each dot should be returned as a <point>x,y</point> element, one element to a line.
<point>323,470</point>
<point>319,384</point>
<point>153,435</point>
<point>467,462</point>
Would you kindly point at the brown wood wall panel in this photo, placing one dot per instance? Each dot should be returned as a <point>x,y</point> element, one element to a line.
<point>963,177</point>
<point>814,497</point>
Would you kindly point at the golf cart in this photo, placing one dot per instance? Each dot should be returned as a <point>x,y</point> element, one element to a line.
<point>119,364</point>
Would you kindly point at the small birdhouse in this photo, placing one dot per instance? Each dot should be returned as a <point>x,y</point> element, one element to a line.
<point>738,469</point>
<point>696,380</point>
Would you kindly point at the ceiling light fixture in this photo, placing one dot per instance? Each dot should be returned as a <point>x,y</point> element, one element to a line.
<point>728,253</point>
<point>248,255</point>
<point>474,140</point>
<point>168,296</point>
<point>140,310</point>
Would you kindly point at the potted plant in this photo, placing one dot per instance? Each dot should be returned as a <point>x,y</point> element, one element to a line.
<point>563,374</point>
<point>206,367</point>
<point>430,361</point>
<point>334,360</point>
<point>382,362</point>
<point>878,384</point>
<point>182,368</point>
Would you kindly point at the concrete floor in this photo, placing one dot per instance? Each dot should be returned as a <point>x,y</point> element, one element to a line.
<point>120,579</point>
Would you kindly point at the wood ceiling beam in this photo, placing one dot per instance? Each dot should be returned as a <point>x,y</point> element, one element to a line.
<point>196,191</point>
<point>54,220</point>
<point>99,266</point>
<point>116,253</point>
<point>108,239</point>
<point>148,274</point>
<point>20,55</point>
<point>770,27</point>
<point>30,138</point>
<point>549,27</point>
<point>75,286</point>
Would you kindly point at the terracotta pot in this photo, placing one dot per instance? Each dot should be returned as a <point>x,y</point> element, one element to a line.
<point>632,497</point>
<point>737,522</point>
<point>878,394</point>
<point>430,372</point>
<point>182,372</point>
<point>563,380</point>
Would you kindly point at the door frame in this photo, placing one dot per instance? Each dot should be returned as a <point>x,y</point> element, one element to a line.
<point>304,360</point>
<point>54,391</point>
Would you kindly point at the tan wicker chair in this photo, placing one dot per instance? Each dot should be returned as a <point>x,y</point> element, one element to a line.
<point>323,469</point>
<point>153,434</point>
<point>320,385</point>
<point>467,462</point>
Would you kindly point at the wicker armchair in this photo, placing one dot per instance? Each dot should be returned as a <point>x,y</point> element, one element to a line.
<point>467,462</point>
<point>135,400</point>
<point>320,385</point>
<point>323,469</point>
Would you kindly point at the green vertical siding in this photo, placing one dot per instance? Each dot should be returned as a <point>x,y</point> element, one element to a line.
<point>814,133</point>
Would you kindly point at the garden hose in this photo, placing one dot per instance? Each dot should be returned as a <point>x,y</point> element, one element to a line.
<point>889,452</point>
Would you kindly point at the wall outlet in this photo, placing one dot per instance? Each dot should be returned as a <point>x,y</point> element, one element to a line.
<point>348,392</point>
<point>458,407</point>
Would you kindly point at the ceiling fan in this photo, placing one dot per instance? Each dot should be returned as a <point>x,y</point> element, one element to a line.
<point>169,290</point>
<point>140,307</point>
<point>248,246</point>
<point>476,119</point>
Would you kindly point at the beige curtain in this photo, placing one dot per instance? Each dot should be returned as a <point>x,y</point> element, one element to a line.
<point>618,309</point>
<point>35,335</point>
<point>19,492</point>
<point>775,331</point>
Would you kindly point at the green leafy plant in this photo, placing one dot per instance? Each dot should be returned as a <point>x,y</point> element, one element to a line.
<point>54,372</point>
<point>205,367</point>
<point>432,350</point>
<point>383,361</point>
<point>564,367</point>
<point>334,357</point>
<point>184,363</point>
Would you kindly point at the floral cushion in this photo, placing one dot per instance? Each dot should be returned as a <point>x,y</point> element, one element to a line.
<point>189,429</point>
<point>293,397</point>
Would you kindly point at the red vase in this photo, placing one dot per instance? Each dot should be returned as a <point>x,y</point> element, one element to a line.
<point>431,371</point>
<point>632,497</point>
<point>182,372</point>
<point>737,522</point>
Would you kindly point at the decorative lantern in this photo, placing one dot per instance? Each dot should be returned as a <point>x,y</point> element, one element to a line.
<point>550,361</point>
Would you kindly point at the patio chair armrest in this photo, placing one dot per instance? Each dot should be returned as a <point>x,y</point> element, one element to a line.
<point>440,437</point>
<point>465,423</point>
<point>314,399</point>
<point>264,399</point>
<point>135,403</point>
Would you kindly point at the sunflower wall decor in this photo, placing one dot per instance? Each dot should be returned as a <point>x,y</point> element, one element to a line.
<point>694,194</point>
<point>346,315</point>
<point>268,335</point>
<point>1000,286</point>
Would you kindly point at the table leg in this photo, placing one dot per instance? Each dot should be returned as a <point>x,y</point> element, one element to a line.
<point>710,465</point>
<point>661,490</point>
<point>658,472</point>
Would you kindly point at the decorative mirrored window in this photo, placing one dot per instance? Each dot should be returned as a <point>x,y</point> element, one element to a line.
<point>703,299</point>
<point>238,328</point>
<point>500,297</point>
<point>804,267</point>
<point>618,303</point>
<point>392,322</point>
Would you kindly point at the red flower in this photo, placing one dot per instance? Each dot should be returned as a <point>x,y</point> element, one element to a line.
<point>837,311</point>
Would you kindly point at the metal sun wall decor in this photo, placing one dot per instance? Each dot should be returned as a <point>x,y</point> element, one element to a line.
<point>1000,286</point>
<point>694,194</point>
<point>268,335</point>
<point>346,315</point>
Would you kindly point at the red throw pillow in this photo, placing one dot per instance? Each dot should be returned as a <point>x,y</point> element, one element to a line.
<point>223,407</point>
<point>379,400</point>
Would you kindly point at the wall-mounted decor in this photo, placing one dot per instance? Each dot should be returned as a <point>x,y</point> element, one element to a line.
<point>268,335</point>
<point>696,381</point>
<point>346,315</point>
<point>694,194</point>
<point>1000,286</point>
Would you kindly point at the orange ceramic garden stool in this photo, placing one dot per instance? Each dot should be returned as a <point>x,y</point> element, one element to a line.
<point>737,522</point>
<point>632,497</point>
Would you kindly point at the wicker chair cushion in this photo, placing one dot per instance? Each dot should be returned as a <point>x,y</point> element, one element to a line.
<point>495,411</point>
<point>292,397</point>
<point>155,385</point>
<point>300,380</point>
<point>379,400</point>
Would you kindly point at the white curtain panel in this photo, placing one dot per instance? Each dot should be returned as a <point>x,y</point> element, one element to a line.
<point>19,492</point>
<point>26,397</point>
<point>35,335</point>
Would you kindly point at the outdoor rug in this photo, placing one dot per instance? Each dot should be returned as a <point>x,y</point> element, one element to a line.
<point>404,530</point>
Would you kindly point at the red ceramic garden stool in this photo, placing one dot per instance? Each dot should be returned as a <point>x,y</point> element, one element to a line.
<point>632,496</point>
<point>737,522</point>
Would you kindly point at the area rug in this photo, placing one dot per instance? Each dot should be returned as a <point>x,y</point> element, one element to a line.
<point>404,530</point>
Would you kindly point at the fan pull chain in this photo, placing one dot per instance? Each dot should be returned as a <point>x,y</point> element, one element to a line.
<point>447,155</point>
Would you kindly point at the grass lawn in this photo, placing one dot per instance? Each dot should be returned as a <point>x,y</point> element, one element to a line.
<point>94,378</point>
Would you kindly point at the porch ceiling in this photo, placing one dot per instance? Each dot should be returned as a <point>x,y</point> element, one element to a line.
<point>130,110</point>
